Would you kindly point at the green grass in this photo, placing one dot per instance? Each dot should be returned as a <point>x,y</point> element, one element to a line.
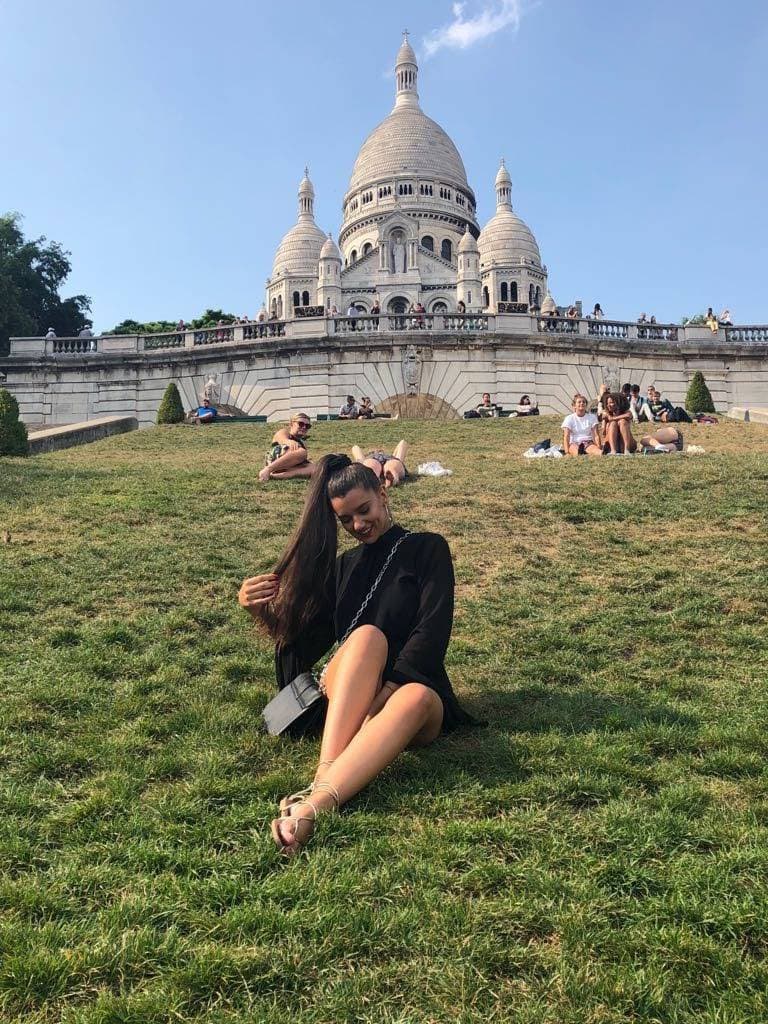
<point>598,854</point>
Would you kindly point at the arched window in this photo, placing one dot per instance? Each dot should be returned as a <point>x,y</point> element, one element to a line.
<point>353,256</point>
<point>428,242</point>
<point>296,300</point>
<point>531,295</point>
<point>367,248</point>
<point>503,294</point>
<point>513,291</point>
<point>280,307</point>
<point>274,307</point>
<point>440,307</point>
<point>398,305</point>
<point>445,249</point>
<point>305,298</point>
<point>538,295</point>
<point>486,299</point>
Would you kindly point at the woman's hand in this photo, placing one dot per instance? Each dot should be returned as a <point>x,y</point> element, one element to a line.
<point>258,590</point>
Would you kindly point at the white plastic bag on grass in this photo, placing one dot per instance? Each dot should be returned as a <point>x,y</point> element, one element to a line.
<point>433,469</point>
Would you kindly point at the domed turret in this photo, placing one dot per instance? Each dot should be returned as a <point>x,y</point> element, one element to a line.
<point>468,242</point>
<point>468,284</point>
<point>548,306</point>
<point>329,276</point>
<point>506,239</point>
<point>299,250</point>
<point>330,250</point>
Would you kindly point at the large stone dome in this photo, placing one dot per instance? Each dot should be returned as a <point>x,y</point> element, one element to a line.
<point>408,142</point>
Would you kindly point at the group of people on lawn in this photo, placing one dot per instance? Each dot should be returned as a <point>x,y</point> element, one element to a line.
<point>608,430</point>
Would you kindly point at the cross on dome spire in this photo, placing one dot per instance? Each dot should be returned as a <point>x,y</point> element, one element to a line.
<point>406,75</point>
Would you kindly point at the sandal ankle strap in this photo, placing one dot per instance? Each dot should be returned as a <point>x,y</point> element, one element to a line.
<point>328,788</point>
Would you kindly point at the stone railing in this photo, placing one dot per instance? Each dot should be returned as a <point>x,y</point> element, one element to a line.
<point>149,342</point>
<point>70,346</point>
<point>264,329</point>
<point>411,322</point>
<point>304,311</point>
<point>747,335</point>
<point>308,328</point>
<point>214,335</point>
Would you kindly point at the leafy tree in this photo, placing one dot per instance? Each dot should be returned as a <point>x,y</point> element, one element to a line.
<point>209,318</point>
<point>699,398</point>
<point>171,410</point>
<point>693,321</point>
<point>31,273</point>
<point>13,434</point>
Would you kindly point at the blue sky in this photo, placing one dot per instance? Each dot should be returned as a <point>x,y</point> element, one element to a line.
<point>162,142</point>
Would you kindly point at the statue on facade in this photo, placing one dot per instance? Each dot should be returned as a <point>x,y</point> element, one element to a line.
<point>211,390</point>
<point>411,370</point>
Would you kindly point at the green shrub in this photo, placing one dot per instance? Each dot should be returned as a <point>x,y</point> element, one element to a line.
<point>171,410</point>
<point>13,434</point>
<point>698,398</point>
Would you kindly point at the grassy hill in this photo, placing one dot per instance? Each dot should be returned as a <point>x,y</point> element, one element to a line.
<point>598,853</point>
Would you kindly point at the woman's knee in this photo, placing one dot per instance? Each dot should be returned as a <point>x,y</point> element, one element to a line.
<point>369,637</point>
<point>417,699</point>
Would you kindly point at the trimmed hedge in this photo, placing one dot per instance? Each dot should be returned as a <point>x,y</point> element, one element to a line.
<point>698,398</point>
<point>13,433</point>
<point>171,410</point>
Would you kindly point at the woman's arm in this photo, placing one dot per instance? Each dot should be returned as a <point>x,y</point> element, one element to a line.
<point>422,656</point>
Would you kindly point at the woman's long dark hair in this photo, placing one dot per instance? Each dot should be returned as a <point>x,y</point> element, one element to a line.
<point>306,568</point>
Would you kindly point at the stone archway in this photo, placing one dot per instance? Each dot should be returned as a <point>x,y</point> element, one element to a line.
<point>398,305</point>
<point>418,407</point>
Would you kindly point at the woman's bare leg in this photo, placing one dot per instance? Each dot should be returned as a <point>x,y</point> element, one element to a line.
<point>412,715</point>
<point>285,462</point>
<point>612,437</point>
<point>630,444</point>
<point>594,451</point>
<point>401,450</point>
<point>357,453</point>
<point>375,465</point>
<point>352,681</point>
<point>307,469</point>
<point>394,472</point>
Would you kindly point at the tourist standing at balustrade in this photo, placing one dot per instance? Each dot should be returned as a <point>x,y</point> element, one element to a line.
<point>597,312</point>
<point>287,458</point>
<point>388,603</point>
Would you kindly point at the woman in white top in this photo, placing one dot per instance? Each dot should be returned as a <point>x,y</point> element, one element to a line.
<point>580,430</point>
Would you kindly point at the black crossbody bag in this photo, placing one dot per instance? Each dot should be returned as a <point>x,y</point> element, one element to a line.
<point>297,706</point>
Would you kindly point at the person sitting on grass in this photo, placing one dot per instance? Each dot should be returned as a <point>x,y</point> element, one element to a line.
<point>365,409</point>
<point>487,407</point>
<point>580,430</point>
<point>665,439</point>
<point>206,413</point>
<point>348,411</point>
<point>660,408</point>
<point>389,469</point>
<point>617,434</point>
<point>287,458</point>
<point>386,685</point>
<point>525,407</point>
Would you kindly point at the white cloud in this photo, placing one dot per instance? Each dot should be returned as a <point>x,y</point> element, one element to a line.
<point>467,29</point>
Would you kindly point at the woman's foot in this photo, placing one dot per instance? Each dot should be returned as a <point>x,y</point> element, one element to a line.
<point>264,475</point>
<point>292,832</point>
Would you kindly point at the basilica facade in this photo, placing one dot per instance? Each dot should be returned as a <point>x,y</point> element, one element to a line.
<point>409,232</point>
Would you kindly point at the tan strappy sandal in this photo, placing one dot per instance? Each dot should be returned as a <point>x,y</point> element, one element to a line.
<point>292,849</point>
<point>300,796</point>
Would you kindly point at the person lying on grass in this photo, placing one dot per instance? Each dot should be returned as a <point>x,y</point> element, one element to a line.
<point>617,432</point>
<point>386,685</point>
<point>390,469</point>
<point>287,457</point>
<point>580,430</point>
<point>665,439</point>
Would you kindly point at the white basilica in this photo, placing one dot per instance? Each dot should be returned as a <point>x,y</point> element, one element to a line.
<point>409,233</point>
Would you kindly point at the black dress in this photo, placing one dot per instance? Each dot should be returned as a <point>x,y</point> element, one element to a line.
<point>413,607</point>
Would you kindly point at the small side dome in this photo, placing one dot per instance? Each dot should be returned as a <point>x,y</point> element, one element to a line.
<point>548,305</point>
<point>468,242</point>
<point>330,250</point>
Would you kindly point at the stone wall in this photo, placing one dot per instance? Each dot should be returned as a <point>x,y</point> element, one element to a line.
<point>272,377</point>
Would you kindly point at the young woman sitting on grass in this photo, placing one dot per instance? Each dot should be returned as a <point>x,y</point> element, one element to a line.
<point>617,432</point>
<point>580,430</point>
<point>386,685</point>
<point>390,469</point>
<point>287,457</point>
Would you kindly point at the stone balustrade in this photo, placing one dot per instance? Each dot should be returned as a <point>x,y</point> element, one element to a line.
<point>747,335</point>
<point>397,322</point>
<point>506,322</point>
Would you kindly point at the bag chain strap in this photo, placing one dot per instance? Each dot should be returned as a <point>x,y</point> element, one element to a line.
<point>363,606</point>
